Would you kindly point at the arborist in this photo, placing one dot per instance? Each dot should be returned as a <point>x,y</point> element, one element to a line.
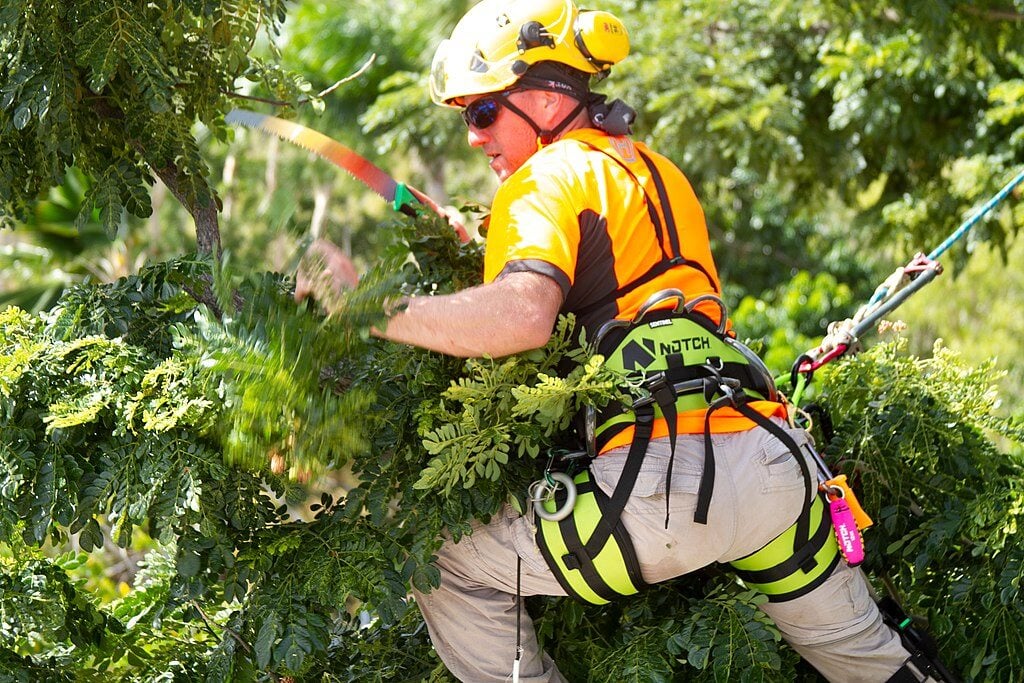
<point>704,467</point>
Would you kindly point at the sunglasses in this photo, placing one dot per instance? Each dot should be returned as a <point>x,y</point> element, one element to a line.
<point>482,113</point>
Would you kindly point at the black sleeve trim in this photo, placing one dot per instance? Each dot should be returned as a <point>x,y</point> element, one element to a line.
<point>541,267</point>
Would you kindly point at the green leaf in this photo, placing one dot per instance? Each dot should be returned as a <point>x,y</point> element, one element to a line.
<point>267,636</point>
<point>188,564</point>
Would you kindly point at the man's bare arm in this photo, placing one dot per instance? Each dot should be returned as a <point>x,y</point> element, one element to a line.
<point>514,313</point>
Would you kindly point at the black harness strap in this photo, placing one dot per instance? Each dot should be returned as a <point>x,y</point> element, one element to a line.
<point>583,561</point>
<point>666,206</point>
<point>795,562</point>
<point>664,393</point>
<point>623,540</point>
<point>578,558</point>
<point>652,212</point>
<point>804,520</point>
<point>707,475</point>
<point>669,261</point>
<point>630,470</point>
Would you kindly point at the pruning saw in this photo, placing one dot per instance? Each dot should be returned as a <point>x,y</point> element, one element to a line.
<point>402,197</point>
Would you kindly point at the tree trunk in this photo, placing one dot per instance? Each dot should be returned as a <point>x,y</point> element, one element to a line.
<point>205,216</point>
<point>207,230</point>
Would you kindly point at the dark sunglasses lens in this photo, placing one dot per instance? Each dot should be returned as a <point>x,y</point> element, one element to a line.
<point>481,113</point>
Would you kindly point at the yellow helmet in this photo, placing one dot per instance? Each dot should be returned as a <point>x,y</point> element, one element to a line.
<point>494,44</point>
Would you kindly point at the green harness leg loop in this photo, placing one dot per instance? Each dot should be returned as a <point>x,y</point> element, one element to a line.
<point>779,572</point>
<point>597,579</point>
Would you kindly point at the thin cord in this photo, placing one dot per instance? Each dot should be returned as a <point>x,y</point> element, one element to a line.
<point>519,606</point>
<point>519,619</point>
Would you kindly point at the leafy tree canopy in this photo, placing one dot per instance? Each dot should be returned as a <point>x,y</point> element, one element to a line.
<point>128,406</point>
<point>114,87</point>
<point>811,130</point>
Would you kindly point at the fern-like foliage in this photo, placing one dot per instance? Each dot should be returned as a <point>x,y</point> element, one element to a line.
<point>923,440</point>
<point>114,88</point>
<point>130,407</point>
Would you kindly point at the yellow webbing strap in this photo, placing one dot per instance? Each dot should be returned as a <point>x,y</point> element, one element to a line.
<point>613,572</point>
<point>782,575</point>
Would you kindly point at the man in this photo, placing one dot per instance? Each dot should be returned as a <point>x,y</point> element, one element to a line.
<point>588,222</point>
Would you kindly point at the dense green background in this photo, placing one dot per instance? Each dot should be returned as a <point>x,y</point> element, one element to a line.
<point>829,142</point>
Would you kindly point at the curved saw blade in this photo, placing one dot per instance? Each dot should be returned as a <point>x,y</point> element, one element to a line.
<point>338,154</point>
<point>401,196</point>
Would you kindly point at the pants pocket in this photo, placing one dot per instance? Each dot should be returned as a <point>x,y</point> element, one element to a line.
<point>780,470</point>
<point>648,493</point>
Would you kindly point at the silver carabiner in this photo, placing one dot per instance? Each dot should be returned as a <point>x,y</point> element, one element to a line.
<point>542,491</point>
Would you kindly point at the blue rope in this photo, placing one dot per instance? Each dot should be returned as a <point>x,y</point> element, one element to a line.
<point>970,222</point>
<point>964,228</point>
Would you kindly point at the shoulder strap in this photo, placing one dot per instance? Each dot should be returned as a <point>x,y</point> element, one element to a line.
<point>674,258</point>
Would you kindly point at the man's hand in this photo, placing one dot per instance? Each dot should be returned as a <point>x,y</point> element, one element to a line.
<point>324,272</point>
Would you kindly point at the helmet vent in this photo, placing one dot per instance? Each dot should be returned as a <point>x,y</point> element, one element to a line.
<point>478,64</point>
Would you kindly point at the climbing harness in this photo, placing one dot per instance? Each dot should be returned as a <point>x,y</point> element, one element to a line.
<point>682,361</point>
<point>686,362</point>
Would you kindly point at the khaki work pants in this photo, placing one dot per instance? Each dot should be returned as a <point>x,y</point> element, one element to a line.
<point>758,493</point>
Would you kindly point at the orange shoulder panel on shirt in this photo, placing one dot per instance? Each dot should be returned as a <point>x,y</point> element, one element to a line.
<point>591,190</point>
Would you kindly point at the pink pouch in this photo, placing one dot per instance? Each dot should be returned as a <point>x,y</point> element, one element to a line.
<point>851,545</point>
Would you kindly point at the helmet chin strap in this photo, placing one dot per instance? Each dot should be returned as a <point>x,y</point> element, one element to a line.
<point>544,137</point>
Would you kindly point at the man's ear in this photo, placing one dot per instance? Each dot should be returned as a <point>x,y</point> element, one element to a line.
<point>553,106</point>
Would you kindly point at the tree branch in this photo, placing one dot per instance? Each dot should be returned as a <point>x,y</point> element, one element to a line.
<point>992,14</point>
<point>227,629</point>
<point>280,103</point>
<point>205,216</point>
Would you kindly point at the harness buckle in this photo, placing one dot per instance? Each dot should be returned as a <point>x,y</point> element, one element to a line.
<point>725,388</point>
<point>571,561</point>
<point>662,391</point>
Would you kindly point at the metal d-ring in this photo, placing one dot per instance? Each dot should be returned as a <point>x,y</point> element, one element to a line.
<point>723,319</point>
<point>836,491</point>
<point>658,297</point>
<point>541,491</point>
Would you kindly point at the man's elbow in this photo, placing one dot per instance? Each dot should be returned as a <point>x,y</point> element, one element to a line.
<point>535,329</point>
<point>531,305</point>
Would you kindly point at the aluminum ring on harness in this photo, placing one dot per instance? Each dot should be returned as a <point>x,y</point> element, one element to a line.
<point>542,490</point>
